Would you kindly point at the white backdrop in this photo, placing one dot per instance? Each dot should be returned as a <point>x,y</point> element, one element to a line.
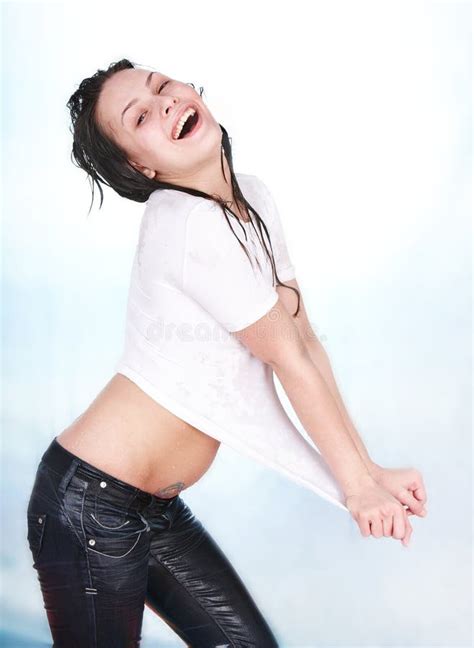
<point>357,115</point>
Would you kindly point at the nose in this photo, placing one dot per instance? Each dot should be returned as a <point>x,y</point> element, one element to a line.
<point>170,104</point>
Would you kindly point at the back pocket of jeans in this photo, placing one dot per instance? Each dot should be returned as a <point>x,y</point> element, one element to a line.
<point>36,527</point>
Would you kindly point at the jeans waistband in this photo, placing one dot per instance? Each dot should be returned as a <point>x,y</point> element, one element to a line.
<point>61,460</point>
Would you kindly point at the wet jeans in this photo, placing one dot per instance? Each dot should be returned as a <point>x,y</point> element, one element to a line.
<point>102,548</point>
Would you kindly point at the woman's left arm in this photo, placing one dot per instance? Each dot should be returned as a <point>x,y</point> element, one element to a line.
<point>406,484</point>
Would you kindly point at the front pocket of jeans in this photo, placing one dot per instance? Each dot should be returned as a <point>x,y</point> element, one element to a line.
<point>36,528</point>
<point>112,545</point>
<point>102,510</point>
<point>110,530</point>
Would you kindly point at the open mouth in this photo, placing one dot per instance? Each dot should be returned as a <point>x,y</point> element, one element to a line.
<point>189,125</point>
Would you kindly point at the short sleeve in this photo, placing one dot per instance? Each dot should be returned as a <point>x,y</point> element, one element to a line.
<point>283,263</point>
<point>217,273</point>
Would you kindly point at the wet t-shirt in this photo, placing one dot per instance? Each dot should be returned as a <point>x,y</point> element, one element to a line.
<point>191,287</point>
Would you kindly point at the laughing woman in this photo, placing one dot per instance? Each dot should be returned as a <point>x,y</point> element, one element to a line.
<point>209,320</point>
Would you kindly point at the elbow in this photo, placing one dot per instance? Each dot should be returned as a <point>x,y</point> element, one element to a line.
<point>288,355</point>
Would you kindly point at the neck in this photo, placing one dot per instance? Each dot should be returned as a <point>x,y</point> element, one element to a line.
<point>209,179</point>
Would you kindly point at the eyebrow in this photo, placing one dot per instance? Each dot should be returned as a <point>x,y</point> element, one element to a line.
<point>134,101</point>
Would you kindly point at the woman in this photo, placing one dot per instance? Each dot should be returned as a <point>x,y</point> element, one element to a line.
<point>206,330</point>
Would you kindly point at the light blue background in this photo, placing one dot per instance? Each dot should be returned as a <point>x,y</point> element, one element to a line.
<point>358,117</point>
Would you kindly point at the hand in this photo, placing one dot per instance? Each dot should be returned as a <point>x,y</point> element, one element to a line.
<point>406,484</point>
<point>378,513</point>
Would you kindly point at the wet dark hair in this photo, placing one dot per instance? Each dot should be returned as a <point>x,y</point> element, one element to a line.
<point>105,162</point>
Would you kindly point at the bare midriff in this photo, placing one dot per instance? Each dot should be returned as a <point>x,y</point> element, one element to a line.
<point>126,433</point>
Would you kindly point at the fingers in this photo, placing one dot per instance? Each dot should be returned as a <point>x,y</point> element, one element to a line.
<point>402,528</point>
<point>418,488</point>
<point>416,507</point>
<point>387,523</point>
<point>400,520</point>
<point>396,525</point>
<point>364,526</point>
<point>420,494</point>
<point>376,527</point>
<point>408,531</point>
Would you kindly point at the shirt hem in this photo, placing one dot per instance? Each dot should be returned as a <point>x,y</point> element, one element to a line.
<point>256,315</point>
<point>217,432</point>
<point>287,273</point>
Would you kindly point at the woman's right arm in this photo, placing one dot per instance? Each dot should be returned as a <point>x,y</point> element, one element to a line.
<point>217,275</point>
<point>275,340</point>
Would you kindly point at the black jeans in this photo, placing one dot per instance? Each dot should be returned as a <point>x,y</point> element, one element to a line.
<point>102,548</point>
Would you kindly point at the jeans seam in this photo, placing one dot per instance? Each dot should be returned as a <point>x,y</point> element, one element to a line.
<point>195,599</point>
<point>62,507</point>
<point>88,589</point>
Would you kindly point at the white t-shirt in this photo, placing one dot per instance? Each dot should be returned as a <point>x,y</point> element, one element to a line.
<point>192,285</point>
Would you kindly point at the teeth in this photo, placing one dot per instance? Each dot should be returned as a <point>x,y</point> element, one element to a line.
<point>187,113</point>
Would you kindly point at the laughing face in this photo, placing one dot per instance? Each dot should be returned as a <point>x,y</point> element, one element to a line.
<point>163,124</point>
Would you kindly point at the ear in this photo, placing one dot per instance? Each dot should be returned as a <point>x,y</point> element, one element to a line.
<point>149,173</point>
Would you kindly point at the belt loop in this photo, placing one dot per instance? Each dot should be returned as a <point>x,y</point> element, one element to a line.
<point>141,503</point>
<point>67,477</point>
<point>92,484</point>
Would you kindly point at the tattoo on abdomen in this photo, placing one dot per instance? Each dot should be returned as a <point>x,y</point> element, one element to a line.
<point>170,491</point>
